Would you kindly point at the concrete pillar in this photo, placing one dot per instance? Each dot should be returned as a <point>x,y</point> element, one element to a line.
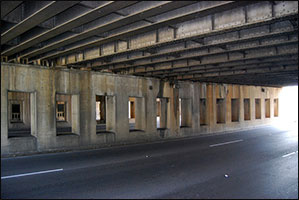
<point>241,104</point>
<point>33,116</point>
<point>140,115</point>
<point>211,105</point>
<point>75,114</point>
<point>163,113</point>
<point>174,122</point>
<point>110,114</point>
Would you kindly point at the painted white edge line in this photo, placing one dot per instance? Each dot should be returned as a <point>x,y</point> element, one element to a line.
<point>289,154</point>
<point>224,143</point>
<point>32,173</point>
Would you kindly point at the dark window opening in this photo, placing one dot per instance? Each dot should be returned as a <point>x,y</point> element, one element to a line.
<point>19,116</point>
<point>220,106</point>
<point>235,110</point>
<point>185,109</point>
<point>15,112</point>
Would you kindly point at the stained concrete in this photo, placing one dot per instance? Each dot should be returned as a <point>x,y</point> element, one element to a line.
<point>83,86</point>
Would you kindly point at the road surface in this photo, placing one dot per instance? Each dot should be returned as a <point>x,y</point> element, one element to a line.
<point>258,163</point>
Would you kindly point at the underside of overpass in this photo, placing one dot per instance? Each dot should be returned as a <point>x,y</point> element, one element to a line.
<point>80,73</point>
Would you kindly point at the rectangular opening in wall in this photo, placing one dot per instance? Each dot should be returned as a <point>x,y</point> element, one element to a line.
<point>21,114</point>
<point>101,113</point>
<point>267,108</point>
<point>235,110</point>
<point>246,109</point>
<point>275,107</point>
<point>136,106</point>
<point>67,114</point>
<point>257,108</point>
<point>185,109</point>
<point>203,112</point>
<point>105,114</point>
<point>162,104</point>
<point>220,104</point>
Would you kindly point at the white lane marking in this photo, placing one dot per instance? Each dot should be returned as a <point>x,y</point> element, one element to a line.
<point>289,154</point>
<point>32,173</point>
<point>214,145</point>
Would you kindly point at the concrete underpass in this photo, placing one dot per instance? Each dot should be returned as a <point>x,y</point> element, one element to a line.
<point>149,99</point>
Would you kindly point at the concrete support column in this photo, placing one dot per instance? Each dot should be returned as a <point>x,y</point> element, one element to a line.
<point>211,105</point>
<point>163,113</point>
<point>87,107</point>
<point>241,104</point>
<point>75,114</point>
<point>195,108</point>
<point>140,114</point>
<point>111,113</point>
<point>33,113</point>
<point>174,112</point>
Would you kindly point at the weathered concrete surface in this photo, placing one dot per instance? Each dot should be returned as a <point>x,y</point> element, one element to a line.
<point>83,86</point>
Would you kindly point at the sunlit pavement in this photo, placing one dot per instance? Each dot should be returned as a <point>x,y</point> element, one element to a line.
<point>259,163</point>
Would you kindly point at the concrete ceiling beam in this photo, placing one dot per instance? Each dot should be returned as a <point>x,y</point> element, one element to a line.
<point>210,54</point>
<point>148,12</point>
<point>202,47</point>
<point>91,15</point>
<point>8,6</point>
<point>46,12</point>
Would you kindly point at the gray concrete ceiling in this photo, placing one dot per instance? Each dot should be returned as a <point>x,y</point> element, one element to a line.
<point>240,42</point>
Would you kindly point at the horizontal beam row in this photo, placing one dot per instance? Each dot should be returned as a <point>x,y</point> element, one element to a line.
<point>148,12</point>
<point>203,46</point>
<point>91,15</point>
<point>198,56</point>
<point>173,20</point>
<point>48,11</point>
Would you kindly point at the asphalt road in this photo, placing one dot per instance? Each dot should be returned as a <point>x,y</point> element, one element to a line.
<point>259,163</point>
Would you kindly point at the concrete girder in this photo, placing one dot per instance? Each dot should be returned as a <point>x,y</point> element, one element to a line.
<point>75,22</point>
<point>197,48</point>
<point>38,17</point>
<point>210,54</point>
<point>266,69</point>
<point>154,10</point>
<point>189,68</point>
<point>232,68</point>
<point>189,16</point>
<point>8,6</point>
<point>273,79</point>
<point>216,32</point>
<point>206,69</point>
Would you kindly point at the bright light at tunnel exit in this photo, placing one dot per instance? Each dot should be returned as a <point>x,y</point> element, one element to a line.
<point>288,108</point>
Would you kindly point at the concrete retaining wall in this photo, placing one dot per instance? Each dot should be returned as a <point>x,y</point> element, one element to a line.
<point>83,86</point>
